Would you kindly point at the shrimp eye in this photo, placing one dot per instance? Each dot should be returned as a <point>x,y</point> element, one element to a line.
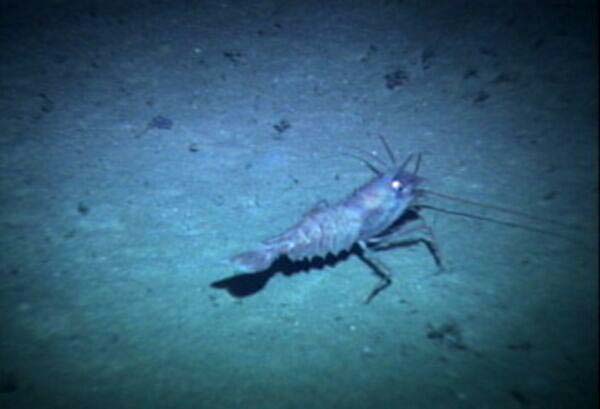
<point>396,184</point>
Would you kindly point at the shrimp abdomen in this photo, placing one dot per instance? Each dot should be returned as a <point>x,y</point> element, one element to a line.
<point>322,231</point>
<point>256,260</point>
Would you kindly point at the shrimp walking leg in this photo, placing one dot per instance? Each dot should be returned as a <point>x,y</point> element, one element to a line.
<point>378,267</point>
<point>398,236</point>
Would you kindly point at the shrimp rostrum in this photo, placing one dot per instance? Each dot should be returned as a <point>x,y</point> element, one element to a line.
<point>375,216</point>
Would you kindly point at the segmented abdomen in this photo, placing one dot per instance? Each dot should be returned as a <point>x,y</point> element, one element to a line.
<point>322,230</point>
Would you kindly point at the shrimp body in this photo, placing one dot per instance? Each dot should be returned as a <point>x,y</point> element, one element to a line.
<point>364,215</point>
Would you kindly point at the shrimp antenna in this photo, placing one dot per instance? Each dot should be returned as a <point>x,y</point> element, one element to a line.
<point>408,159</point>
<point>502,209</point>
<point>387,149</point>
<point>418,164</point>
<point>504,223</point>
<point>368,164</point>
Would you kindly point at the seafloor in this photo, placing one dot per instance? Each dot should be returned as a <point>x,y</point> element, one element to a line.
<point>143,143</point>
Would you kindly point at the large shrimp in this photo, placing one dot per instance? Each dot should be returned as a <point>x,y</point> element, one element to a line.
<point>374,216</point>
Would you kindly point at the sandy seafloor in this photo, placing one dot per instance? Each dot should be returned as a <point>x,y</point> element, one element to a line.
<point>144,143</point>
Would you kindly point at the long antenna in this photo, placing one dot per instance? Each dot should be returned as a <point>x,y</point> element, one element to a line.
<point>505,223</point>
<point>502,209</point>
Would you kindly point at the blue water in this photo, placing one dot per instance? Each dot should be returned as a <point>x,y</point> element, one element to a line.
<point>145,143</point>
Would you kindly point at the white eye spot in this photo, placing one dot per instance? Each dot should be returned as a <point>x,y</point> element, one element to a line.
<point>396,184</point>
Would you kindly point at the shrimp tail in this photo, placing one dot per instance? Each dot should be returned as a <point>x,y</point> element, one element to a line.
<point>256,260</point>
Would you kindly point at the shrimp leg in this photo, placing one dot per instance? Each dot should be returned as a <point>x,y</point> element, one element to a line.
<point>419,226</point>
<point>371,246</point>
<point>379,268</point>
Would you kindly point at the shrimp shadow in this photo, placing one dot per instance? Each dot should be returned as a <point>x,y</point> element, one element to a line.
<point>245,285</point>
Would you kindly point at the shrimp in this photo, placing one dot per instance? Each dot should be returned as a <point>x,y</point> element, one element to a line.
<point>373,217</point>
